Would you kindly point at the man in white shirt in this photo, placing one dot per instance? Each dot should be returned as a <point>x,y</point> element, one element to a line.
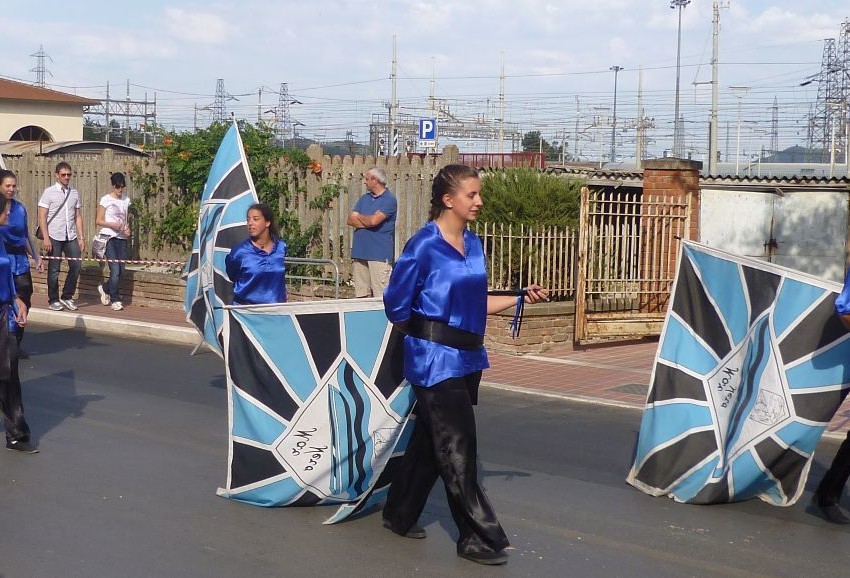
<point>60,218</point>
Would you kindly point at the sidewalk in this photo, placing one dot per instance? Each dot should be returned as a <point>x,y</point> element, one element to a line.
<point>616,374</point>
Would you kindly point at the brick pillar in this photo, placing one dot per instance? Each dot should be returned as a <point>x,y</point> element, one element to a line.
<point>664,179</point>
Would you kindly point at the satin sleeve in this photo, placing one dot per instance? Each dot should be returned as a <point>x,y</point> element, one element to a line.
<point>405,284</point>
<point>842,302</point>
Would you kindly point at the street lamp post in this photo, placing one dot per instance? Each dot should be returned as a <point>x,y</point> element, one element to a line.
<point>677,131</point>
<point>616,70</point>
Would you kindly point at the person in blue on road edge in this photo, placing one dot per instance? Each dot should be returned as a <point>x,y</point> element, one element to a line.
<point>256,266</point>
<point>13,316</point>
<point>828,494</point>
<point>373,248</point>
<point>437,296</point>
<point>19,245</point>
<point>60,219</point>
<point>113,218</point>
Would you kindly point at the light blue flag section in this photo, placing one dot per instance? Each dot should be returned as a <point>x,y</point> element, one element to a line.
<point>318,405</point>
<point>228,193</point>
<point>751,366</point>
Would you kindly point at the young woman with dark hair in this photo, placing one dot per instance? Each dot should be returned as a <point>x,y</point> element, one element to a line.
<point>438,297</point>
<point>13,317</point>
<point>18,243</point>
<point>256,265</point>
<point>113,218</point>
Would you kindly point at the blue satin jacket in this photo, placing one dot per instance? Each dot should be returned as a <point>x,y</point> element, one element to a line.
<point>257,276</point>
<point>433,280</point>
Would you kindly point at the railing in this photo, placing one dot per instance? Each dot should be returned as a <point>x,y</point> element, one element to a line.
<point>518,255</point>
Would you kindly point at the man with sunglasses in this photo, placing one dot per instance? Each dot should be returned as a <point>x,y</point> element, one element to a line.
<point>60,218</point>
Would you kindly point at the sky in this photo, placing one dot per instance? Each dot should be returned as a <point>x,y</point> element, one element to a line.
<point>336,58</point>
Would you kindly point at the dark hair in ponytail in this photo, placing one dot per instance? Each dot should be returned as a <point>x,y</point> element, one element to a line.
<point>447,182</point>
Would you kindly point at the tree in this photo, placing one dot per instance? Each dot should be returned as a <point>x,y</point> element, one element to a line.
<point>187,158</point>
<point>531,142</point>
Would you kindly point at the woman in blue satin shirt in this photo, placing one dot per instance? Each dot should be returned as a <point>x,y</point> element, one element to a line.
<point>18,243</point>
<point>438,297</point>
<point>13,317</point>
<point>256,266</point>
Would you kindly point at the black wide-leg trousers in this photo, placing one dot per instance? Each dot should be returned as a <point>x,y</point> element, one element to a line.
<point>444,444</point>
<point>11,402</point>
<point>832,484</point>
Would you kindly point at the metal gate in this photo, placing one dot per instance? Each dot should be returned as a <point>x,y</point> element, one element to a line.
<point>628,246</point>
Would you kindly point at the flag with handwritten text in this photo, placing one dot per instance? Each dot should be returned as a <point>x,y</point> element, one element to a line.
<point>318,406</point>
<point>752,364</point>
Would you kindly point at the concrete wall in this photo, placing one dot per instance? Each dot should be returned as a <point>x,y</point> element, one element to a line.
<point>62,121</point>
<point>809,227</point>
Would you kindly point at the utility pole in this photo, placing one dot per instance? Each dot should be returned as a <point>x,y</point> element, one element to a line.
<point>502,108</point>
<point>616,70</point>
<point>127,117</point>
<point>715,89</point>
<point>393,103</point>
<point>575,136</point>
<point>677,129</point>
<point>640,127</point>
<point>740,92</point>
<point>259,105</point>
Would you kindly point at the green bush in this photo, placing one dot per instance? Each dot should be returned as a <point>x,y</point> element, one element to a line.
<point>528,197</point>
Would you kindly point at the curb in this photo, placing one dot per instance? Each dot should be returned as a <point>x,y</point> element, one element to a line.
<point>92,324</point>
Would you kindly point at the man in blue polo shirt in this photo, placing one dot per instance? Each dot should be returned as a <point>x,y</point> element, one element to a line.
<point>373,249</point>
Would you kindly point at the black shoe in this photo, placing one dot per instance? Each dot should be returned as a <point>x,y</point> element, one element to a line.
<point>833,513</point>
<point>486,558</point>
<point>415,532</point>
<point>23,447</point>
<point>23,354</point>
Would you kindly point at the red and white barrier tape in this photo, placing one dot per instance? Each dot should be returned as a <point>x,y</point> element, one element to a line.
<point>105,260</point>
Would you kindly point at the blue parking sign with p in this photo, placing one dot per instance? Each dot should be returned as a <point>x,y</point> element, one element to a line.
<point>427,128</point>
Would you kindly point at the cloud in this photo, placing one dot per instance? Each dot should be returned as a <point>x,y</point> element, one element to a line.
<point>197,27</point>
<point>795,27</point>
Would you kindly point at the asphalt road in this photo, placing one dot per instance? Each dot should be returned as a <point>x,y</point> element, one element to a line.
<point>133,438</point>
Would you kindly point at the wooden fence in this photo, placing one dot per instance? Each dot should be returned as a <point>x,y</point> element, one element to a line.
<point>517,254</point>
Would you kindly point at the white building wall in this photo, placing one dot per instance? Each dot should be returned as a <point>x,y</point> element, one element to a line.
<point>810,228</point>
<point>64,122</point>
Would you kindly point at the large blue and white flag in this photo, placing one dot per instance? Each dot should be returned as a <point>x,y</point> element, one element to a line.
<point>751,366</point>
<point>228,193</point>
<point>318,405</point>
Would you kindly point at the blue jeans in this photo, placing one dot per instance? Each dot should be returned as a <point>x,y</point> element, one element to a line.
<point>69,249</point>
<point>115,249</point>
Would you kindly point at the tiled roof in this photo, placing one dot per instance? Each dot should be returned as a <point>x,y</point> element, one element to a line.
<point>11,90</point>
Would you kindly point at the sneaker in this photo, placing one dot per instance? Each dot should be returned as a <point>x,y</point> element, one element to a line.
<point>69,303</point>
<point>117,306</point>
<point>23,447</point>
<point>55,306</point>
<point>104,298</point>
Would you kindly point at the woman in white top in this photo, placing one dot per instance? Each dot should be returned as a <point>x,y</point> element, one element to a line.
<point>113,218</point>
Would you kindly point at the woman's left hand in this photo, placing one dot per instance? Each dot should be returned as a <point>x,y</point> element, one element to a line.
<point>21,314</point>
<point>536,293</point>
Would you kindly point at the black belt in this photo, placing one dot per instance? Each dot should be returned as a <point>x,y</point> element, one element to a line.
<point>444,334</point>
<point>12,250</point>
